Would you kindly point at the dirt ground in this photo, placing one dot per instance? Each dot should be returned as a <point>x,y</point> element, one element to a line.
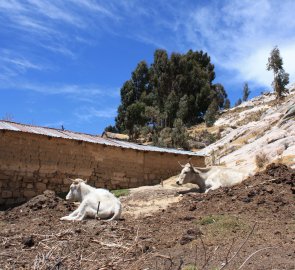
<point>250,226</point>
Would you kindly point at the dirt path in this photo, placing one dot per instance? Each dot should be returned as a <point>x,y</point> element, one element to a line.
<point>147,200</point>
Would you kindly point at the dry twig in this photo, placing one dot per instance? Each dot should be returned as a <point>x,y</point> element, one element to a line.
<point>239,249</point>
<point>249,257</point>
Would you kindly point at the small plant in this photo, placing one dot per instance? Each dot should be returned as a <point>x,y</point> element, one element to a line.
<point>207,220</point>
<point>120,192</point>
<point>218,226</point>
<point>189,267</point>
<point>261,160</point>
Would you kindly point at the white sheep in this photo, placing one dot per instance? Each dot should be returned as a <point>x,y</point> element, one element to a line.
<point>95,202</point>
<point>210,178</point>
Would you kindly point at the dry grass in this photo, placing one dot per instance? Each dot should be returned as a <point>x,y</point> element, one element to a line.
<point>240,161</point>
<point>251,117</point>
<point>287,160</point>
<point>202,127</point>
<point>218,226</point>
<point>261,160</point>
<point>244,139</point>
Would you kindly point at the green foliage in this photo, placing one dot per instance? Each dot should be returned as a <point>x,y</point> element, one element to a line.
<point>170,107</point>
<point>179,86</point>
<point>219,94</point>
<point>227,104</point>
<point>275,61</point>
<point>238,102</point>
<point>207,220</point>
<point>164,139</point>
<point>218,226</point>
<point>189,267</point>
<point>135,117</point>
<point>176,137</point>
<point>210,116</point>
<point>182,112</point>
<point>111,128</point>
<point>281,78</point>
<point>246,92</point>
<point>179,135</point>
<point>120,192</point>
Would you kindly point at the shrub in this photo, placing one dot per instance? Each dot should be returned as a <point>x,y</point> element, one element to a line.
<point>164,139</point>
<point>261,160</point>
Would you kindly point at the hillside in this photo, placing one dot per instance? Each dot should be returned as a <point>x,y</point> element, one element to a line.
<point>248,226</point>
<point>254,134</point>
<point>188,232</point>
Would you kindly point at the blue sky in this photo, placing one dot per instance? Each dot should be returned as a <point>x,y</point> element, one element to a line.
<point>62,62</point>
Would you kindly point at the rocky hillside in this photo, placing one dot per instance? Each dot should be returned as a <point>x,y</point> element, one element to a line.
<point>255,133</point>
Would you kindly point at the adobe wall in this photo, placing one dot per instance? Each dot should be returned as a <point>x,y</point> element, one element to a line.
<point>32,163</point>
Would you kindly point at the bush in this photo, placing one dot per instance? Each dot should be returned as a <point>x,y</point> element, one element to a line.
<point>164,139</point>
<point>261,160</point>
<point>211,113</point>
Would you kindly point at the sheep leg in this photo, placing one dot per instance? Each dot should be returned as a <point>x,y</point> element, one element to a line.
<point>71,216</point>
<point>74,214</point>
<point>84,210</point>
<point>88,212</point>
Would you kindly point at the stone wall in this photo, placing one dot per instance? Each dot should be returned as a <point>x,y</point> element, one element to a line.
<point>31,163</point>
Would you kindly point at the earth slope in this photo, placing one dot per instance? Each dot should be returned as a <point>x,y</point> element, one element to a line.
<point>205,231</point>
<point>249,226</point>
<point>255,134</point>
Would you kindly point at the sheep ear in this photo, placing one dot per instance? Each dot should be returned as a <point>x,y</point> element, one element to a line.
<point>85,181</point>
<point>181,164</point>
<point>70,179</point>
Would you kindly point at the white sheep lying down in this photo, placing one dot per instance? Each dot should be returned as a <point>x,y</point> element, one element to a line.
<point>109,207</point>
<point>210,178</point>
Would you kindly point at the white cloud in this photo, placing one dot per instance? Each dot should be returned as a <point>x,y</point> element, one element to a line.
<point>88,113</point>
<point>21,63</point>
<point>55,12</point>
<point>288,54</point>
<point>13,64</point>
<point>239,35</point>
<point>92,6</point>
<point>81,92</point>
<point>53,26</point>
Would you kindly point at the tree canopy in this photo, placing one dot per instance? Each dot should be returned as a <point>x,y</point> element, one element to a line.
<point>179,87</point>
<point>246,92</point>
<point>281,78</point>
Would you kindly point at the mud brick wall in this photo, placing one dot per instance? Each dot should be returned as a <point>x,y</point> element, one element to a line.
<point>31,163</point>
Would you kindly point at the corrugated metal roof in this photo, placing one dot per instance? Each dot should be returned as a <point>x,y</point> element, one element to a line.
<point>66,134</point>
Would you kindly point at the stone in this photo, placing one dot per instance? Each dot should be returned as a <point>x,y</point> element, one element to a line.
<point>29,193</point>
<point>40,186</point>
<point>28,241</point>
<point>6,194</point>
<point>30,186</point>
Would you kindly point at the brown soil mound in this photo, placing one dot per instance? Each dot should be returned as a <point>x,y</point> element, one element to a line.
<point>255,218</point>
<point>46,200</point>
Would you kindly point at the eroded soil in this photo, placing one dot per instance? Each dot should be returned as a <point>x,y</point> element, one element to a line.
<point>255,218</point>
